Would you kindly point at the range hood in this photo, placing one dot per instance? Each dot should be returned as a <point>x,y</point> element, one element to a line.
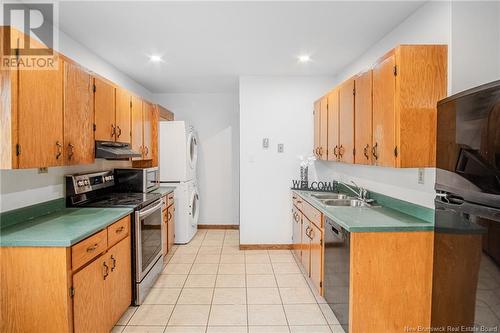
<point>114,150</point>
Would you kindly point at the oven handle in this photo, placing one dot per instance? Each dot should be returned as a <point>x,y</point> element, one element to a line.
<point>149,211</point>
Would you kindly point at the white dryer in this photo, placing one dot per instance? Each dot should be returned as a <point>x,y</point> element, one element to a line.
<point>178,151</point>
<point>186,210</point>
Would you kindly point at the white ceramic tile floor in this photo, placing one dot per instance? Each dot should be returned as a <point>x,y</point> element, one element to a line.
<point>210,286</point>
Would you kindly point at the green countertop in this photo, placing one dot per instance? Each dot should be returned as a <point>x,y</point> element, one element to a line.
<point>368,219</point>
<point>62,228</point>
<point>164,190</point>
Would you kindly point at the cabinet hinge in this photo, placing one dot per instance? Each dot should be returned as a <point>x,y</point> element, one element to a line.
<point>353,151</point>
<point>321,242</point>
<point>18,149</point>
<point>94,88</point>
<point>396,151</point>
<point>94,127</point>
<point>354,91</point>
<point>395,70</point>
<point>71,291</point>
<point>321,284</point>
<point>130,103</point>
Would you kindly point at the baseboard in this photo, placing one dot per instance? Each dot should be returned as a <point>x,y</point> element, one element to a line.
<point>219,226</point>
<point>266,246</point>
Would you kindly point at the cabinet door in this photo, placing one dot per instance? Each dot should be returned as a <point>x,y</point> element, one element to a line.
<point>137,125</point>
<point>306,245</point>
<point>104,110</point>
<point>164,234</point>
<point>317,128</point>
<point>123,117</point>
<point>155,123</point>
<point>119,284</point>
<point>346,116</point>
<point>316,237</point>
<point>78,115</point>
<point>171,226</point>
<point>297,233</point>
<point>323,123</point>
<point>363,118</point>
<point>333,124</point>
<point>384,117</point>
<point>40,117</point>
<point>91,302</point>
<point>147,128</point>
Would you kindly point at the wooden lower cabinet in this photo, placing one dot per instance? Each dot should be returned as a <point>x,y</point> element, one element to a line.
<point>297,232</point>
<point>168,227</point>
<point>42,291</point>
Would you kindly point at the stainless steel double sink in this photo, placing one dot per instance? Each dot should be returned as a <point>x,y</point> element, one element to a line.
<point>340,200</point>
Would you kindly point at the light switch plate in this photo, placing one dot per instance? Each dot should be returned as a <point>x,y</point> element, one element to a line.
<point>421,176</point>
<point>281,147</point>
<point>265,143</point>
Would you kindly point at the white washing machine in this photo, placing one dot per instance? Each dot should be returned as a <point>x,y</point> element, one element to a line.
<point>186,210</point>
<point>178,151</point>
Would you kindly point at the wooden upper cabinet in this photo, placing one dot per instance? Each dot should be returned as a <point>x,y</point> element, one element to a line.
<point>317,127</point>
<point>123,115</point>
<point>346,121</point>
<point>137,125</point>
<point>40,117</point>
<point>384,112</point>
<point>155,144</point>
<point>148,113</point>
<point>421,81</point>
<point>78,115</point>
<point>363,118</point>
<point>333,124</point>
<point>104,109</point>
<point>323,133</point>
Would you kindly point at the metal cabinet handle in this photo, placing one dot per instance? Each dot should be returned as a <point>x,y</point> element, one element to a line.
<point>120,229</point>
<point>147,150</point>
<point>296,217</point>
<point>311,235</point>
<point>105,271</point>
<point>92,248</point>
<point>341,151</point>
<point>375,151</point>
<point>71,152</point>
<point>169,216</point>
<point>119,131</point>
<point>59,150</point>
<point>113,261</point>
<point>113,130</point>
<point>365,151</point>
<point>335,151</point>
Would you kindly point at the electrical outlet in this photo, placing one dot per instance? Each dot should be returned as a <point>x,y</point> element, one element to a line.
<point>421,176</point>
<point>265,143</point>
<point>281,147</point>
<point>43,170</point>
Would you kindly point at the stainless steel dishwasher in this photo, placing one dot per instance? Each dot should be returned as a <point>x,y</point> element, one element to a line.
<point>336,270</point>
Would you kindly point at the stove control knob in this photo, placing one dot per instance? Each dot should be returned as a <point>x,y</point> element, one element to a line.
<point>86,182</point>
<point>79,183</point>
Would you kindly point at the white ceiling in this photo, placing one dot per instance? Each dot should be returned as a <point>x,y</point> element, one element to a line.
<point>207,45</point>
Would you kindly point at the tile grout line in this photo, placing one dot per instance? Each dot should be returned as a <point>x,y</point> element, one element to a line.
<point>215,283</point>
<point>279,293</point>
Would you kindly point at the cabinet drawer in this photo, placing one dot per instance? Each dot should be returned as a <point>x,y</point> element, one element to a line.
<point>297,200</point>
<point>118,231</point>
<point>312,214</point>
<point>170,198</point>
<point>89,248</point>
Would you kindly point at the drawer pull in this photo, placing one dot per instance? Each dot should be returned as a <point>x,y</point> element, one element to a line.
<point>92,248</point>
<point>120,229</point>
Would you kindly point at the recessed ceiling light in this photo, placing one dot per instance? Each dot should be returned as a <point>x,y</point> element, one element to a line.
<point>304,58</point>
<point>155,58</point>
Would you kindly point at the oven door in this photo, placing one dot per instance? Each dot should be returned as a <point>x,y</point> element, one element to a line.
<point>148,238</point>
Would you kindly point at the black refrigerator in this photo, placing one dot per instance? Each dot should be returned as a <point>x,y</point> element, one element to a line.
<point>466,279</point>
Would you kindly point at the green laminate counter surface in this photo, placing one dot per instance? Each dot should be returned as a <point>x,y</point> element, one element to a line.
<point>368,219</point>
<point>62,228</point>
<point>164,190</point>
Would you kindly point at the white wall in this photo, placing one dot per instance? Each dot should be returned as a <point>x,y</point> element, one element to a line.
<point>19,188</point>
<point>475,43</point>
<point>215,118</point>
<point>278,108</point>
